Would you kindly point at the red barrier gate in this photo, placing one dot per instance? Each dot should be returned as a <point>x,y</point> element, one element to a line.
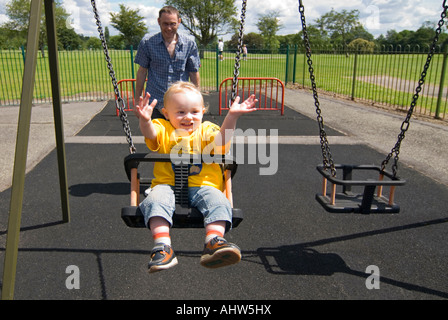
<point>270,92</point>
<point>127,89</point>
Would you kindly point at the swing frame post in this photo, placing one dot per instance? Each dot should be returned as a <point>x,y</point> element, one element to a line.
<point>23,130</point>
<point>57,107</point>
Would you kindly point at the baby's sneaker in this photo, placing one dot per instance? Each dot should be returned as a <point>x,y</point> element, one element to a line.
<point>162,258</point>
<point>220,253</point>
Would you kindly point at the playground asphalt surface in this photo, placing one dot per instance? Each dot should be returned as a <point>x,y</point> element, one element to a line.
<point>292,249</point>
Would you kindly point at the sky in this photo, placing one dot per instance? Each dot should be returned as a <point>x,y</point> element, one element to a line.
<point>377,16</point>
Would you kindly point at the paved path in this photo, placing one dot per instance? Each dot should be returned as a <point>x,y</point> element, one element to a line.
<point>292,248</point>
<point>42,136</point>
<point>424,147</point>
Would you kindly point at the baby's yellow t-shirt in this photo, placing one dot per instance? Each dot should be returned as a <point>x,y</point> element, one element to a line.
<point>170,140</point>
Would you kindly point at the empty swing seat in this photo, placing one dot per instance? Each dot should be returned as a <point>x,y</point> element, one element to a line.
<point>184,216</point>
<point>366,202</point>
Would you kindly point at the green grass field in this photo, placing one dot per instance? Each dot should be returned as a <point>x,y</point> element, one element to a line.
<point>388,79</point>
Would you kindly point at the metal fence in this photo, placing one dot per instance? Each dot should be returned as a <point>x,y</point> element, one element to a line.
<point>386,76</point>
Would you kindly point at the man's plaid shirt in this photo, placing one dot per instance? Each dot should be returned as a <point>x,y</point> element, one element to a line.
<point>162,69</point>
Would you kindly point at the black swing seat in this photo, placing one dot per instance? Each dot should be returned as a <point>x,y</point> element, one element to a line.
<point>184,216</point>
<point>366,202</point>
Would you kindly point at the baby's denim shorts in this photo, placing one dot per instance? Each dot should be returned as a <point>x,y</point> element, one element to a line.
<point>211,202</point>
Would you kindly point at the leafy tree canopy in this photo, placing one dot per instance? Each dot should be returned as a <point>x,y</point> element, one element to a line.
<point>205,19</point>
<point>130,25</point>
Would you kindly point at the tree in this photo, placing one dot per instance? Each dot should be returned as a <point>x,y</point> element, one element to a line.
<point>359,32</point>
<point>289,40</point>
<point>93,43</point>
<point>339,25</point>
<point>130,25</point>
<point>116,42</point>
<point>68,39</point>
<point>361,46</point>
<point>318,37</point>
<point>268,25</point>
<point>10,39</point>
<point>205,19</point>
<point>18,12</point>
<point>416,40</point>
<point>424,35</point>
<point>252,40</point>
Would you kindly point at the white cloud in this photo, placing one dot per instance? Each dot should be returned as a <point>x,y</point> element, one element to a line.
<point>151,14</point>
<point>378,16</point>
<point>81,15</point>
<point>3,16</point>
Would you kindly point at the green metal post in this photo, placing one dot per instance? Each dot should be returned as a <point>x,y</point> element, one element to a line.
<point>294,66</point>
<point>304,69</point>
<point>287,64</point>
<point>132,68</point>
<point>23,129</point>
<point>132,61</point>
<point>57,106</point>
<point>217,68</point>
<point>442,83</point>
<point>355,63</point>
<point>23,53</point>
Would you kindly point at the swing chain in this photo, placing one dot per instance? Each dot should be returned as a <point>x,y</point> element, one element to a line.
<point>405,125</point>
<point>325,147</point>
<point>238,54</point>
<point>119,102</point>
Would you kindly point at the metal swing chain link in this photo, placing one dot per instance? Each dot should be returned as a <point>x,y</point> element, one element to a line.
<point>236,71</point>
<point>325,147</point>
<point>119,102</point>
<point>405,125</point>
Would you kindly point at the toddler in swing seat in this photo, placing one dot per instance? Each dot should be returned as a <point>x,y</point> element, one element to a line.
<point>183,130</point>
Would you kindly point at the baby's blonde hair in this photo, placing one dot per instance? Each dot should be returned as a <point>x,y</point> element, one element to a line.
<point>181,86</point>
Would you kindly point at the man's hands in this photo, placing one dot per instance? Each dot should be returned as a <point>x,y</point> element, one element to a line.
<point>144,110</point>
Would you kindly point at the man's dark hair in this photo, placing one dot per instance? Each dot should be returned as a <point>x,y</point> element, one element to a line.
<point>169,10</point>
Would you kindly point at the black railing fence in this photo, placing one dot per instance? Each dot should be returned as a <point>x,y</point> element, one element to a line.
<point>383,75</point>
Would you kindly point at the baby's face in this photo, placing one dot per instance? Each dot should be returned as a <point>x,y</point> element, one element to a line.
<point>184,110</point>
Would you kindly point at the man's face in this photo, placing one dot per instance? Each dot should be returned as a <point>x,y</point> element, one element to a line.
<point>168,25</point>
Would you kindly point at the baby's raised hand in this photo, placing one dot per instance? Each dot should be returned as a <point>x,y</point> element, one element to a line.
<point>144,110</point>
<point>247,106</point>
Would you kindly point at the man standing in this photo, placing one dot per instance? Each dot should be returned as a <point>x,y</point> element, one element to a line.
<point>221,49</point>
<point>165,58</point>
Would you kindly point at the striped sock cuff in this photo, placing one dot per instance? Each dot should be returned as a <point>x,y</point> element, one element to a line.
<point>212,234</point>
<point>162,237</point>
